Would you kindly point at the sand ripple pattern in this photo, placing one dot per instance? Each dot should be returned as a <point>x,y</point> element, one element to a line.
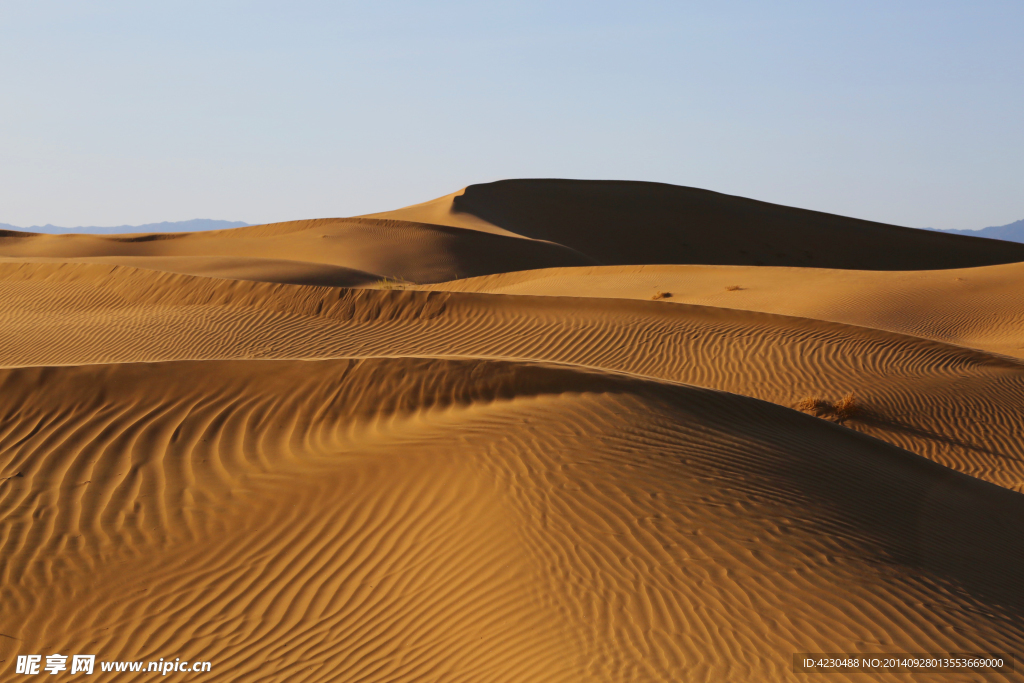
<point>957,406</point>
<point>388,519</point>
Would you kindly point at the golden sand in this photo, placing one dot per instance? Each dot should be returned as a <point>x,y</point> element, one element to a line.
<point>532,431</point>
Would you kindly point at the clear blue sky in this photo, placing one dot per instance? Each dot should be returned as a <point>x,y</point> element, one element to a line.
<point>136,112</point>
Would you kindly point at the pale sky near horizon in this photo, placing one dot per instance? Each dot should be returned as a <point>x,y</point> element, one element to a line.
<point>126,113</point>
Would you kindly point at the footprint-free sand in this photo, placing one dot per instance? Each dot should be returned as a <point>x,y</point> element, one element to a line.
<point>531,431</point>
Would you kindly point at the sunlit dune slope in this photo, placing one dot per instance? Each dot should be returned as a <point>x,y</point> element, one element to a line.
<point>252,269</point>
<point>976,307</point>
<point>409,520</point>
<point>620,223</point>
<point>397,250</point>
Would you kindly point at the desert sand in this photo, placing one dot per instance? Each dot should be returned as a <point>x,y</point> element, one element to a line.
<point>530,431</point>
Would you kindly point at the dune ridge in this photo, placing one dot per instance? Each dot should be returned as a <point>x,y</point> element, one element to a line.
<point>521,225</point>
<point>974,307</point>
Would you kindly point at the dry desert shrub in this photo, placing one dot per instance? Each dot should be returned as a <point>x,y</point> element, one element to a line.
<point>662,295</point>
<point>840,410</point>
<point>812,404</point>
<point>389,284</point>
<point>845,407</point>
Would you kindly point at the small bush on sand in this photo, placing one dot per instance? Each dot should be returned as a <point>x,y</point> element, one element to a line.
<point>845,407</point>
<point>812,404</point>
<point>840,410</point>
<point>389,283</point>
<point>662,295</point>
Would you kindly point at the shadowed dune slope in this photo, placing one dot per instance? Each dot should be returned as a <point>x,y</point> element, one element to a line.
<point>622,222</point>
<point>392,520</point>
<point>976,307</point>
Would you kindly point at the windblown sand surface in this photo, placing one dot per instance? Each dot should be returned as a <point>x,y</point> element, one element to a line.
<point>475,440</point>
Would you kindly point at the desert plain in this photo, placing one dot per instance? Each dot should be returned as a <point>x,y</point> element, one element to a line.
<point>535,430</point>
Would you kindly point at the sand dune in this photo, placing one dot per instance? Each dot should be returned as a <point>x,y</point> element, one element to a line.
<point>524,225</point>
<point>232,268</point>
<point>386,519</point>
<point>398,250</point>
<point>258,448</point>
<point>954,405</point>
<point>630,223</point>
<point>975,307</point>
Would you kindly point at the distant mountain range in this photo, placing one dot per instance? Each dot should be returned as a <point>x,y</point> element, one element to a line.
<point>179,226</point>
<point>1013,232</point>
